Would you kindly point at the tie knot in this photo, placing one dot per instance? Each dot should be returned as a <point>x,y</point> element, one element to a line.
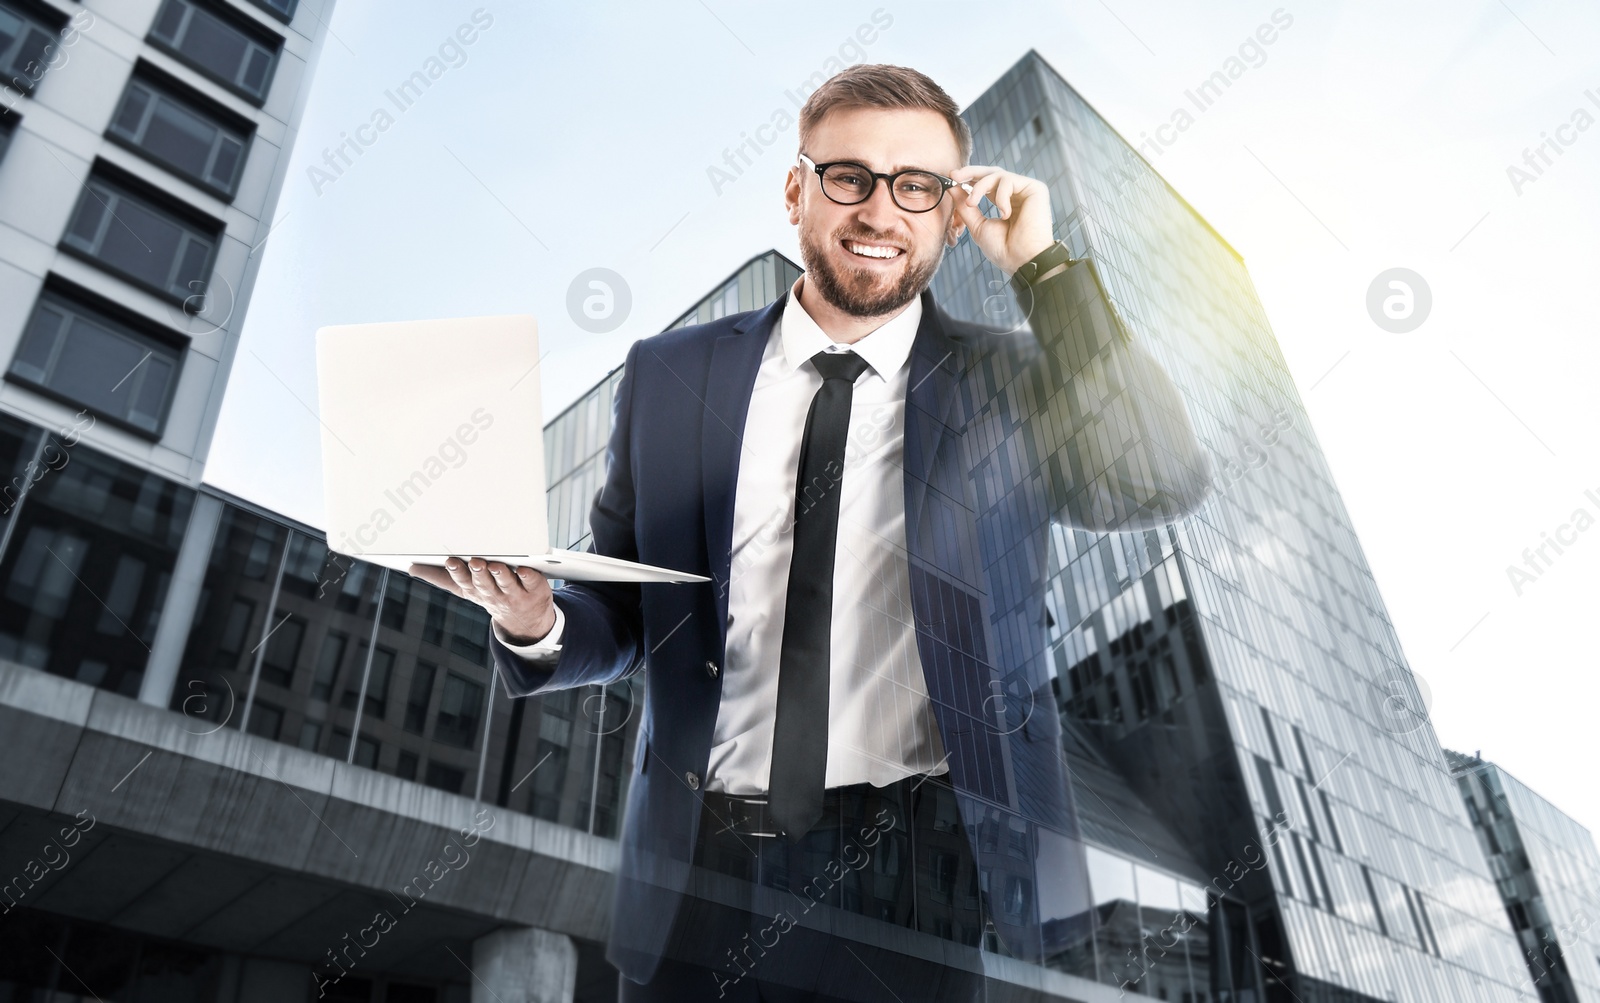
<point>839,365</point>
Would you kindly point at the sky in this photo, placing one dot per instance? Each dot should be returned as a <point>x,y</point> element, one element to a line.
<point>1373,137</point>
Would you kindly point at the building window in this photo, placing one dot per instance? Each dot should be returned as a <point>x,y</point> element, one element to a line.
<point>265,721</point>
<point>86,357</point>
<point>377,682</point>
<point>328,660</point>
<point>366,749</point>
<point>446,778</point>
<point>284,9</point>
<point>8,125</point>
<point>421,694</point>
<point>181,135</point>
<point>233,632</point>
<point>406,766</point>
<point>132,236</point>
<point>282,651</point>
<point>310,735</point>
<point>218,46</point>
<point>395,600</point>
<point>470,639</point>
<point>24,44</point>
<point>459,707</point>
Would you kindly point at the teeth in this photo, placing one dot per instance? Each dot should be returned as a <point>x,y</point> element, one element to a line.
<point>873,252</point>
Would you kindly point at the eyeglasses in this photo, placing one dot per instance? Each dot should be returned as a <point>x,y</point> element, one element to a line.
<point>850,183</point>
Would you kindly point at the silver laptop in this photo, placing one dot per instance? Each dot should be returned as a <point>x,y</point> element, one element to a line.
<point>433,446</point>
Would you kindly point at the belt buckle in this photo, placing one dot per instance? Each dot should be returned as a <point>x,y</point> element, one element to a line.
<point>733,802</point>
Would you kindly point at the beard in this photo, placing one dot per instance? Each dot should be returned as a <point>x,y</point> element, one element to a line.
<point>861,292</point>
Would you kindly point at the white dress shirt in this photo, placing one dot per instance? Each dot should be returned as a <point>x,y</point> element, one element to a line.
<point>880,721</point>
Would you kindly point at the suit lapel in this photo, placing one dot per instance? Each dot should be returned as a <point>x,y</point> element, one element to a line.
<point>735,360</point>
<point>930,392</point>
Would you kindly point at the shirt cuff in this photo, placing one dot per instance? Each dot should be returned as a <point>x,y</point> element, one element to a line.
<point>545,646</point>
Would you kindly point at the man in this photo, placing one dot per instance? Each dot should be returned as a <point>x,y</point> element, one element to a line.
<point>855,713</point>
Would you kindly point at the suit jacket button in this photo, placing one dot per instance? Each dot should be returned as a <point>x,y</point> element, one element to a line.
<point>711,669</point>
<point>694,781</point>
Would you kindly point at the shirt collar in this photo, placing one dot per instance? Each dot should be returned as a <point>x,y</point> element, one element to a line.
<point>885,349</point>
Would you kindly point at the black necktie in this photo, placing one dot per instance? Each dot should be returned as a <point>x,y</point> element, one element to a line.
<point>800,733</point>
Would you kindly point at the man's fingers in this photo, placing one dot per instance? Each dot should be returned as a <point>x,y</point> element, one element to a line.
<point>504,577</point>
<point>482,580</point>
<point>456,568</point>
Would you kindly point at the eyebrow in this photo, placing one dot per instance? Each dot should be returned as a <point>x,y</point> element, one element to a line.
<point>895,169</point>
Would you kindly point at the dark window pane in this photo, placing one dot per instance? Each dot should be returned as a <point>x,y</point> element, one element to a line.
<point>421,693</point>
<point>406,767</point>
<point>140,241</point>
<point>134,103</point>
<point>233,631</point>
<point>445,778</point>
<point>257,64</point>
<point>265,720</point>
<point>225,166</point>
<point>38,343</point>
<point>215,45</point>
<point>180,137</point>
<point>470,639</point>
<point>169,22</point>
<point>282,650</point>
<point>86,219</point>
<point>460,704</point>
<point>328,660</point>
<point>95,361</point>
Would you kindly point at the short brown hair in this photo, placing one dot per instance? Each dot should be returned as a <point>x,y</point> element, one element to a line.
<point>879,85</point>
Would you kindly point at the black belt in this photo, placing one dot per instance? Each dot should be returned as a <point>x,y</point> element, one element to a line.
<point>746,814</point>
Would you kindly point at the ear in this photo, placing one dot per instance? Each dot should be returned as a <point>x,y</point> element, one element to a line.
<point>953,232</point>
<point>791,195</point>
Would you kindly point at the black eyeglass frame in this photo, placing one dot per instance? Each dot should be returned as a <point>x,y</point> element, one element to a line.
<point>946,183</point>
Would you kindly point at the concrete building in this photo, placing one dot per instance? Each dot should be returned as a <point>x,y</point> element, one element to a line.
<point>1548,873</point>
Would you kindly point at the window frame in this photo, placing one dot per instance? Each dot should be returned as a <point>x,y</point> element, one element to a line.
<point>75,301</point>
<point>284,16</point>
<point>9,120</point>
<point>106,183</point>
<point>161,87</point>
<point>268,42</point>
<point>35,19</point>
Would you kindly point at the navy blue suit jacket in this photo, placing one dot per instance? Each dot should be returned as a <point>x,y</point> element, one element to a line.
<point>1066,418</point>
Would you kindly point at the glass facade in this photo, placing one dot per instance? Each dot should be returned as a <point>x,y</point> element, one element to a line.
<point>1238,669</point>
<point>1548,873</point>
<point>86,554</point>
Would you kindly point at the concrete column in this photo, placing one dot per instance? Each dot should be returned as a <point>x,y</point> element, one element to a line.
<point>524,965</point>
<point>183,595</point>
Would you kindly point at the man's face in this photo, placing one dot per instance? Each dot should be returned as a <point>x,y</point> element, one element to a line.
<point>885,140</point>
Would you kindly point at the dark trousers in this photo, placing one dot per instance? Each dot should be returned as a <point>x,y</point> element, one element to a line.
<point>879,858</point>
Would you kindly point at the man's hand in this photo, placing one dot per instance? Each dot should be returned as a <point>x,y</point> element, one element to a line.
<point>520,602</point>
<point>1024,227</point>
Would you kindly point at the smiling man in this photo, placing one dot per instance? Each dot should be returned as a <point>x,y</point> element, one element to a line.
<point>855,714</point>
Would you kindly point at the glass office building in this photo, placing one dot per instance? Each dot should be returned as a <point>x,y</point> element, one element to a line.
<point>1238,671</point>
<point>1548,873</point>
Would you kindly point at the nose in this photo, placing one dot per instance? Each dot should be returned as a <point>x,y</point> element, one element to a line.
<point>879,211</point>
